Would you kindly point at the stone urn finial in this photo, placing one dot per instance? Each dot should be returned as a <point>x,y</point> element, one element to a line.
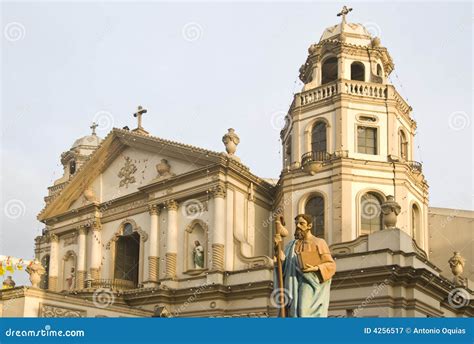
<point>163,168</point>
<point>35,270</point>
<point>230,140</point>
<point>457,263</point>
<point>390,210</point>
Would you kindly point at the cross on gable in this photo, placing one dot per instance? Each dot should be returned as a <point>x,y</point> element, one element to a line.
<point>138,114</point>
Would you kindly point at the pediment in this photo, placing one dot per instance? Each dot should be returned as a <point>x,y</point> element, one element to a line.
<point>123,163</point>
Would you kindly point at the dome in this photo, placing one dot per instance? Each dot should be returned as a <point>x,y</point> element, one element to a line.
<point>89,140</point>
<point>353,33</point>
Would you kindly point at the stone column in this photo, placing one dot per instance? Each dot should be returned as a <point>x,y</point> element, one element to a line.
<point>154,257</point>
<point>171,238</point>
<point>53,262</point>
<point>218,228</point>
<point>96,251</point>
<point>81,258</point>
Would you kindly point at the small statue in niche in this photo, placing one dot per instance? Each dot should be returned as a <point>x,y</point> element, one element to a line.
<point>70,279</point>
<point>198,255</point>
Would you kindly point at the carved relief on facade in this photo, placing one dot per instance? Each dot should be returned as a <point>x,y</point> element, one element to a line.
<point>163,168</point>
<point>70,239</point>
<point>127,172</point>
<point>51,311</point>
<point>125,207</point>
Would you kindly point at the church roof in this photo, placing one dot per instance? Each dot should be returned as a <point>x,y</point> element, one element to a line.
<point>352,32</point>
<point>89,140</point>
<point>110,147</point>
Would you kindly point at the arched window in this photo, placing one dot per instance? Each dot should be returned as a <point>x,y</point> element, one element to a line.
<point>319,141</point>
<point>315,208</point>
<point>127,229</point>
<point>370,213</point>
<point>379,70</point>
<point>329,70</point>
<point>127,255</point>
<point>357,71</point>
<point>72,167</point>
<point>44,282</point>
<point>403,145</point>
<point>415,223</point>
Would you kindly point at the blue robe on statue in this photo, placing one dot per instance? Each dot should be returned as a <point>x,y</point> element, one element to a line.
<point>307,293</point>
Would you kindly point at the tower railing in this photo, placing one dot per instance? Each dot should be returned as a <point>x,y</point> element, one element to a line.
<point>354,88</point>
<point>318,156</point>
<point>114,284</point>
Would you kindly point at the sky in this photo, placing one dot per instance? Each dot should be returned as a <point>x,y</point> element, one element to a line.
<point>202,67</point>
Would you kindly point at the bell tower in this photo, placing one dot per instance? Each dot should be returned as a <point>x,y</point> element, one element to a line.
<point>348,141</point>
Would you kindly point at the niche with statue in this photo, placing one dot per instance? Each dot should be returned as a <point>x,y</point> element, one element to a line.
<point>195,247</point>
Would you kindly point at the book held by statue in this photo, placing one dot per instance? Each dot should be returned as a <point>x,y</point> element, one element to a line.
<point>308,257</point>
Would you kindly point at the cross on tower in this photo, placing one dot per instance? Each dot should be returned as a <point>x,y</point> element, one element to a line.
<point>343,13</point>
<point>93,126</point>
<point>138,114</point>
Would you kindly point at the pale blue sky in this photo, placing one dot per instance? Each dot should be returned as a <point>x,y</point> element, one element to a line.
<point>76,59</point>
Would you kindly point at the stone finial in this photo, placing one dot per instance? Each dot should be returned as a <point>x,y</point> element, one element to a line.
<point>390,210</point>
<point>89,195</point>
<point>9,283</point>
<point>35,270</point>
<point>457,263</point>
<point>375,42</point>
<point>163,168</point>
<point>230,140</point>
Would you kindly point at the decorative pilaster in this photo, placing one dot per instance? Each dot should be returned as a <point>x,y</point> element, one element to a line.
<point>154,257</point>
<point>218,257</point>
<point>96,250</point>
<point>81,258</point>
<point>171,238</point>
<point>171,258</point>
<point>218,234</point>
<point>53,262</point>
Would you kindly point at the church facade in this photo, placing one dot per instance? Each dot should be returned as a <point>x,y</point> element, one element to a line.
<point>167,229</point>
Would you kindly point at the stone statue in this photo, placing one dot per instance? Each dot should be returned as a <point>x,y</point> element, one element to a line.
<point>71,279</point>
<point>35,270</point>
<point>9,283</point>
<point>457,262</point>
<point>307,267</point>
<point>198,255</point>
